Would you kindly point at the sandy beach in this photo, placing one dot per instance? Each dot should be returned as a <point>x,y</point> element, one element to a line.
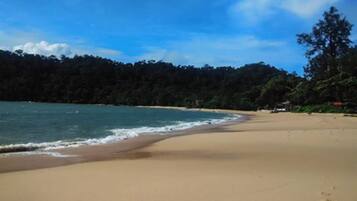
<point>275,157</point>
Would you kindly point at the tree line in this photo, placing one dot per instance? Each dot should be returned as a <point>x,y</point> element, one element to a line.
<point>90,79</point>
<point>330,76</point>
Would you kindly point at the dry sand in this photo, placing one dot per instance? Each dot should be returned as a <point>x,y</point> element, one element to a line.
<point>270,157</point>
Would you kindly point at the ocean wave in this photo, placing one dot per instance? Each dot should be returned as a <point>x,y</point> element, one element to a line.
<point>117,135</point>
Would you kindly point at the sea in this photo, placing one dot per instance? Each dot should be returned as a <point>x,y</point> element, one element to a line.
<point>29,126</point>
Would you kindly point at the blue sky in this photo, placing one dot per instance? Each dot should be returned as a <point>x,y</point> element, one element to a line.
<point>197,32</point>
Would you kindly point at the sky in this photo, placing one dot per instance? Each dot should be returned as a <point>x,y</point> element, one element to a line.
<point>184,32</point>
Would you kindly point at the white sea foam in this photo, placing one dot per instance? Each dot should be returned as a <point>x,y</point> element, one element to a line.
<point>39,152</point>
<point>117,135</point>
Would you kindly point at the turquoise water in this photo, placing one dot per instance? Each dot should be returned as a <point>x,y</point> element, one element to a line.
<point>48,126</point>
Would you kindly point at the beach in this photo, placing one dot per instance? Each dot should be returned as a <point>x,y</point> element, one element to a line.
<point>283,156</point>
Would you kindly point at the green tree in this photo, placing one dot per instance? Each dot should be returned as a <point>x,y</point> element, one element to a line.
<point>277,90</point>
<point>327,44</point>
<point>349,62</point>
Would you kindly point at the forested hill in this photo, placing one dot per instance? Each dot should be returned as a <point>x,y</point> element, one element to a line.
<point>89,79</point>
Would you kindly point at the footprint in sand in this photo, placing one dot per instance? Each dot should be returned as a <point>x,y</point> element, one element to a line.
<point>325,194</point>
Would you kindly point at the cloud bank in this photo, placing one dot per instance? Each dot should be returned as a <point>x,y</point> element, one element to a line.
<point>59,49</point>
<point>45,48</point>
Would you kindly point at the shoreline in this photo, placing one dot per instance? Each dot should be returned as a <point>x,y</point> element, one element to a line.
<point>21,161</point>
<point>280,156</point>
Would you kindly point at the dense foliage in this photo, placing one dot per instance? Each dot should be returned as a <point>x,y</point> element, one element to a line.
<point>324,108</point>
<point>332,69</point>
<point>89,79</point>
<point>327,44</point>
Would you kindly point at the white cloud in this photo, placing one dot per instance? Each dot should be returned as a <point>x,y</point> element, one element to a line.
<point>255,10</point>
<point>58,49</point>
<point>306,8</point>
<point>252,10</point>
<point>18,39</point>
<point>44,48</point>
